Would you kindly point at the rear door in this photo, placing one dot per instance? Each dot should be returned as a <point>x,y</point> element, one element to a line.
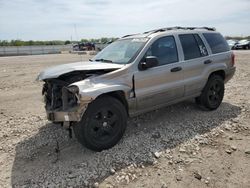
<point>163,83</point>
<point>220,50</point>
<point>196,58</point>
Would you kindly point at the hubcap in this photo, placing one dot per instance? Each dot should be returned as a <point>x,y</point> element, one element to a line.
<point>104,125</point>
<point>214,94</point>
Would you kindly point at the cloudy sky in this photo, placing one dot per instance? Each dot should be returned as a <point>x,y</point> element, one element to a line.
<point>63,19</point>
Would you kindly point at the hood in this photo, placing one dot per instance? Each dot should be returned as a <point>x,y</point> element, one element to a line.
<point>59,70</point>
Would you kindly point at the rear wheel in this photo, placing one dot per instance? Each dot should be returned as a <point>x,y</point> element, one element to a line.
<point>102,125</point>
<point>212,94</point>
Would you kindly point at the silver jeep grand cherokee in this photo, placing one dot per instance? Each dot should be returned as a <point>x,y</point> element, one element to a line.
<point>136,74</point>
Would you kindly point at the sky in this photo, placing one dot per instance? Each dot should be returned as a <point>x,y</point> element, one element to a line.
<point>77,19</point>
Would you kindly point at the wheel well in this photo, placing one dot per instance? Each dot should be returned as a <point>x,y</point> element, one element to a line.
<point>220,73</point>
<point>118,95</point>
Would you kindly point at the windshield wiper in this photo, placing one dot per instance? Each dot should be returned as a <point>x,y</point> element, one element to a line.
<point>104,60</point>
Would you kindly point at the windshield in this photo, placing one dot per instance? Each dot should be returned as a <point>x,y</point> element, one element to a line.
<point>121,51</point>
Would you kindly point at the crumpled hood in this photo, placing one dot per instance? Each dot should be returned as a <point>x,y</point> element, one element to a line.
<point>59,70</point>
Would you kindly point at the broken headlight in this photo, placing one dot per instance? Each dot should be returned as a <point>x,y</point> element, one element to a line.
<point>73,89</point>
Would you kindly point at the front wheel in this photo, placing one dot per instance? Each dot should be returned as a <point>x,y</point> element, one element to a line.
<point>102,125</point>
<point>212,94</point>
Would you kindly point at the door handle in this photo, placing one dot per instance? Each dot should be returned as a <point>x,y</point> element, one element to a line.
<point>176,69</point>
<point>208,61</point>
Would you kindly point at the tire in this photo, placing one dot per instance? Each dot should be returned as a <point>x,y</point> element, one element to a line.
<point>212,94</point>
<point>102,125</point>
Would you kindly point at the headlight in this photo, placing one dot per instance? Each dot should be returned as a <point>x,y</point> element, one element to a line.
<point>73,89</point>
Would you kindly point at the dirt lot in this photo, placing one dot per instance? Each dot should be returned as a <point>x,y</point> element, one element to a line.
<point>177,146</point>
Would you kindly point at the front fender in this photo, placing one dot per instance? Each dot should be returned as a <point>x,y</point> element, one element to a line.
<point>90,91</point>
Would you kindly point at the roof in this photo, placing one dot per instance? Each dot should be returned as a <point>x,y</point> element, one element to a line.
<point>177,28</point>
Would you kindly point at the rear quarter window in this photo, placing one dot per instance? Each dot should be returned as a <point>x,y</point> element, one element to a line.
<point>216,42</point>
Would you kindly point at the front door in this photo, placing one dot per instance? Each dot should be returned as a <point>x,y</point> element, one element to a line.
<point>161,84</point>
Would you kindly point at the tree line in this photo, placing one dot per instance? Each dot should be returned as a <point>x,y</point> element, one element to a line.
<point>31,42</point>
<point>52,42</point>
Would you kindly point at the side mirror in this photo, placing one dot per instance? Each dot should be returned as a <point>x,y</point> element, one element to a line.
<point>150,61</point>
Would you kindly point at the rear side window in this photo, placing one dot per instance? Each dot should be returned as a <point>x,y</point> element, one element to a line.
<point>192,46</point>
<point>216,42</point>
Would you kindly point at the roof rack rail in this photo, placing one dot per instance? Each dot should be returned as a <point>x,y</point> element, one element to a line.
<point>178,27</point>
<point>128,35</point>
<point>173,28</point>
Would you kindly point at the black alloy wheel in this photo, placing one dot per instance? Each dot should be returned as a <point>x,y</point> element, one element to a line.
<point>103,124</point>
<point>212,94</point>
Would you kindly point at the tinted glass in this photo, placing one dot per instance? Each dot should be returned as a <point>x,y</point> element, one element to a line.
<point>165,50</point>
<point>202,47</point>
<point>190,46</point>
<point>216,42</point>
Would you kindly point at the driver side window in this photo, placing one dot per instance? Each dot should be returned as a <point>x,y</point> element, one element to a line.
<point>164,49</point>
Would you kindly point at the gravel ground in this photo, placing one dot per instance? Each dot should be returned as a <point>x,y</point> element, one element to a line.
<point>181,142</point>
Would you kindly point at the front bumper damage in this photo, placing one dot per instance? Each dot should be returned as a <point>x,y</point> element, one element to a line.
<point>73,114</point>
<point>63,104</point>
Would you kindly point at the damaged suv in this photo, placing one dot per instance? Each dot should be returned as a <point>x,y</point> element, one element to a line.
<point>136,74</point>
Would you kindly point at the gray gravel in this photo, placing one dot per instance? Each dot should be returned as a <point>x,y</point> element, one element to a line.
<point>76,165</point>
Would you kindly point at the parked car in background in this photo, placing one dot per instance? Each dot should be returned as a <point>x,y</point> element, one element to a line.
<point>232,43</point>
<point>243,44</point>
<point>84,46</point>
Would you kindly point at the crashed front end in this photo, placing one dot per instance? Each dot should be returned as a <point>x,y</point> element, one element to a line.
<point>62,102</point>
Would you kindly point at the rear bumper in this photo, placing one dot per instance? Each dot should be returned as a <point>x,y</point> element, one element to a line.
<point>72,115</point>
<point>229,74</point>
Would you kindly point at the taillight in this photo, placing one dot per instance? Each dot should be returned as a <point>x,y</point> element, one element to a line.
<point>233,59</point>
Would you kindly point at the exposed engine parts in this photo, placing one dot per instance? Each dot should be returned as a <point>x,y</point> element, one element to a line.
<point>58,95</point>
